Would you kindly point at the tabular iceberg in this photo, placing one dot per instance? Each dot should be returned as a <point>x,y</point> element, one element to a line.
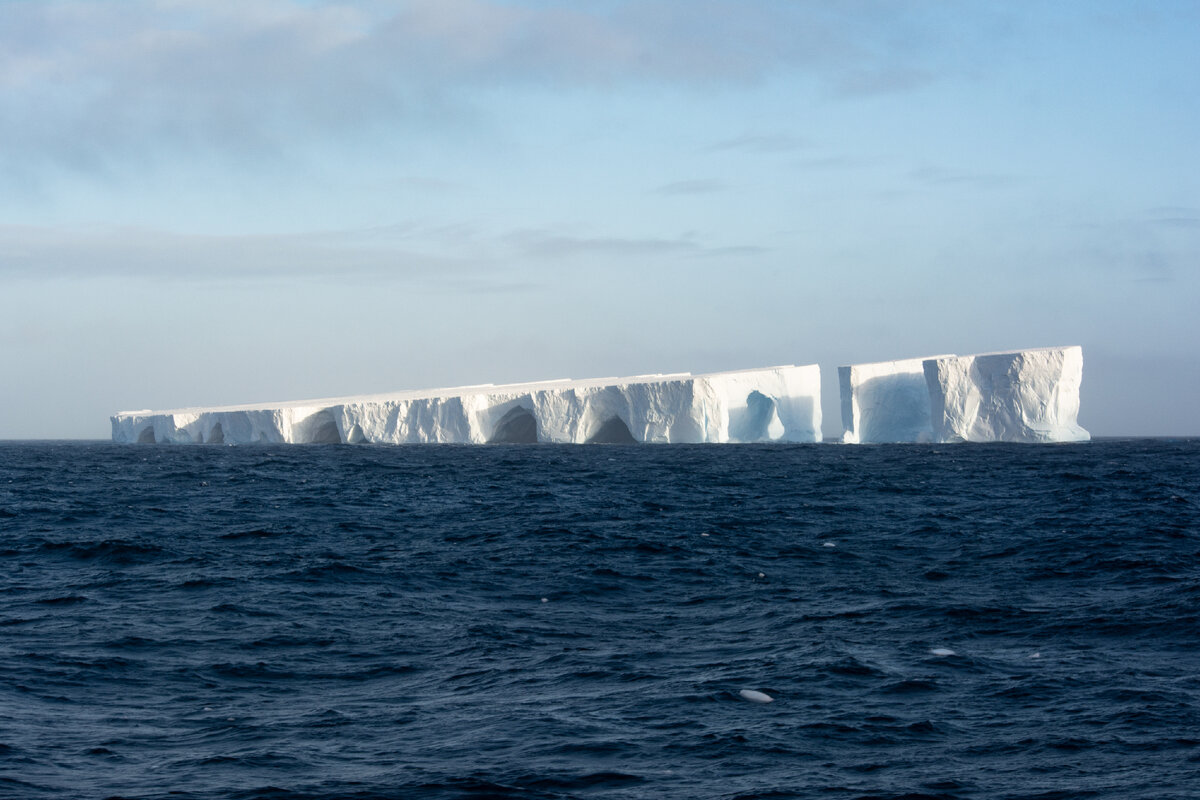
<point>776,404</point>
<point>1020,396</point>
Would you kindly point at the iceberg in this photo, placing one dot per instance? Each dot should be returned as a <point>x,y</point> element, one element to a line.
<point>1020,396</point>
<point>774,404</point>
<point>887,401</point>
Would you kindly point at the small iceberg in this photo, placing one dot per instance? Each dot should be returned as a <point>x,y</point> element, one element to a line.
<point>756,697</point>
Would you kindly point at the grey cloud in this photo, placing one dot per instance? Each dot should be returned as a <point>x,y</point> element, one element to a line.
<point>1143,250</point>
<point>1155,267</point>
<point>882,81</point>
<point>482,287</point>
<point>835,162</point>
<point>1174,217</point>
<point>455,255</point>
<point>760,143</point>
<point>1173,211</point>
<point>942,176</point>
<point>550,244</point>
<point>1179,222</point>
<point>547,244</point>
<point>34,252</point>
<point>736,251</point>
<point>699,186</point>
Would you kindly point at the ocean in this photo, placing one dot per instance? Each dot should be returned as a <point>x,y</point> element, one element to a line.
<point>966,621</point>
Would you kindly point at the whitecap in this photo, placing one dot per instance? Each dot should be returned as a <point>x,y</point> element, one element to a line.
<point>942,652</point>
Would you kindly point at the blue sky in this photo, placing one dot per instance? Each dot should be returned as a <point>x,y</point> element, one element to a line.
<point>207,201</point>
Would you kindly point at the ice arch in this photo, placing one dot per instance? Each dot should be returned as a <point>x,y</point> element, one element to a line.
<point>518,426</point>
<point>320,428</point>
<point>613,431</point>
<point>675,407</point>
<point>759,421</point>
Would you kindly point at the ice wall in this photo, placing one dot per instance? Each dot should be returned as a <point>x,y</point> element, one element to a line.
<point>1022,396</point>
<point>777,404</point>
<point>887,401</point>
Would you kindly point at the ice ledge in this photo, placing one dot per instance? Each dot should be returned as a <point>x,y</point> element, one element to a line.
<point>779,404</point>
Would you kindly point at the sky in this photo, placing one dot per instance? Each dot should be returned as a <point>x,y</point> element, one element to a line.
<point>208,202</point>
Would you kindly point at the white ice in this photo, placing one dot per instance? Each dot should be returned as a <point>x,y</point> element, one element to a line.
<point>776,404</point>
<point>1018,396</point>
<point>887,401</point>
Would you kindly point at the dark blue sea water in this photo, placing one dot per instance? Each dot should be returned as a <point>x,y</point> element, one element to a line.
<point>578,622</point>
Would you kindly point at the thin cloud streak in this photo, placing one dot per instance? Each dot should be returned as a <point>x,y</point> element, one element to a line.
<point>546,244</point>
<point>760,143</point>
<point>1175,217</point>
<point>549,244</point>
<point>836,163</point>
<point>941,176</point>
<point>698,186</point>
<point>49,253</point>
<point>455,254</point>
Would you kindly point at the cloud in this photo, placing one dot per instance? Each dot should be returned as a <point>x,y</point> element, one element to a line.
<point>453,255</point>
<point>699,186</point>
<point>760,143</point>
<point>1155,267</point>
<point>548,244</point>
<point>943,176</point>
<point>835,162</point>
<point>736,251</point>
<point>48,253</point>
<point>865,82</point>
<point>84,85</point>
<point>1175,217</point>
<point>1158,246</point>
<point>552,244</point>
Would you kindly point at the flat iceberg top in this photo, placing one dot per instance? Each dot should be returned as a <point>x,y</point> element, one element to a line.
<point>1024,351</point>
<point>895,364</point>
<point>463,391</point>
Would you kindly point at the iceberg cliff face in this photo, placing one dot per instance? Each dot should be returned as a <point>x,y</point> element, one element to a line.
<point>885,402</point>
<point>774,404</point>
<point>1022,396</point>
